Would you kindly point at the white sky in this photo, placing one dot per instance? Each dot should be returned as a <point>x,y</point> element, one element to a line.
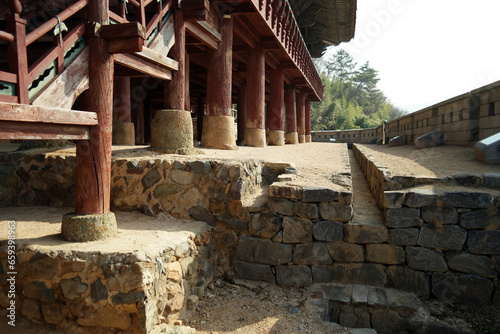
<point>427,51</point>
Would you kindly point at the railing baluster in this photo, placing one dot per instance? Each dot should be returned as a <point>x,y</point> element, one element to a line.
<point>18,59</point>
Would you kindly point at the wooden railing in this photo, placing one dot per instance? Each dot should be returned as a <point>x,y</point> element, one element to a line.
<point>279,17</point>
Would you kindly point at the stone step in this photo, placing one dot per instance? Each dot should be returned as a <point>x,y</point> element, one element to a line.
<point>256,200</point>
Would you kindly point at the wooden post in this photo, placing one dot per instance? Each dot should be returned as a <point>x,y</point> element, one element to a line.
<point>200,114</point>
<point>218,124</point>
<point>291,136</point>
<point>276,108</point>
<point>301,117</point>
<point>177,84</point>
<point>255,134</point>
<point>242,113</point>
<point>18,60</point>
<point>93,220</point>
<point>308,120</point>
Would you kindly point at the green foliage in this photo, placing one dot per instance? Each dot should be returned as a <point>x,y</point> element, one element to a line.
<point>351,99</point>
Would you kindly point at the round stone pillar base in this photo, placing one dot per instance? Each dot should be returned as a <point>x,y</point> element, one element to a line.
<point>123,133</point>
<point>302,139</point>
<point>308,139</point>
<point>81,228</point>
<point>276,137</point>
<point>218,132</point>
<point>255,137</point>
<point>292,138</point>
<point>172,131</point>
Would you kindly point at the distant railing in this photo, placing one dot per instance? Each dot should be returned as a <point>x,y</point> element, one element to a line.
<point>279,16</point>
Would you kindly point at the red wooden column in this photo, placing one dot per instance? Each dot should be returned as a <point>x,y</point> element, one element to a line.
<point>242,113</point>
<point>291,136</point>
<point>93,220</point>
<point>177,85</point>
<point>255,134</point>
<point>18,61</point>
<point>276,108</point>
<point>308,120</point>
<point>123,128</point>
<point>218,125</point>
<point>301,117</point>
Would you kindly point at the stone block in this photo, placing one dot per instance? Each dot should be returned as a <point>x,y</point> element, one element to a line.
<point>31,310</point>
<point>384,254</point>
<point>352,316</point>
<point>359,273</point>
<point>129,297</point>
<point>480,219</point>
<point>335,211</point>
<point>345,252</point>
<point>323,274</point>
<point>492,180</point>
<point>106,316</point>
<point>389,321</point>
<point>409,280</point>
<point>281,191</point>
<point>487,150</point>
<point>39,291</point>
<point>471,264</point>
<point>430,139</point>
<point>345,198</point>
<point>365,234</point>
<point>404,236</point>
<point>328,230</point>
<point>393,199</point>
<point>402,217</point>
<point>318,194</point>
<point>200,167</point>
<point>314,253</point>
<point>484,242</point>
<point>254,272</point>
<point>264,225</point>
<point>421,197</point>
<point>237,190</point>
<point>98,291</point>
<point>151,178</point>
<point>181,177</point>
<point>442,236</point>
<point>306,210</point>
<point>263,251</point>
<point>420,258</point>
<point>165,189</point>
<point>440,214</point>
<point>293,275</point>
<point>52,313</point>
<point>202,214</point>
<point>468,180</point>
<point>467,200</point>
<point>297,230</point>
<point>281,205</point>
<point>461,288</point>
<point>396,141</point>
<point>338,292</point>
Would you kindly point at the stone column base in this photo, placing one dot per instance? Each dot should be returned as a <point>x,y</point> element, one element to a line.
<point>172,131</point>
<point>218,132</point>
<point>292,138</point>
<point>308,138</point>
<point>123,133</point>
<point>81,228</point>
<point>302,139</point>
<point>276,137</point>
<point>255,137</point>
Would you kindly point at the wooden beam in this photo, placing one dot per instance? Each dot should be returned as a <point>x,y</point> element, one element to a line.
<point>125,45</point>
<point>158,59</point>
<point>123,30</point>
<point>42,131</point>
<point>202,35</point>
<point>142,66</point>
<point>28,113</point>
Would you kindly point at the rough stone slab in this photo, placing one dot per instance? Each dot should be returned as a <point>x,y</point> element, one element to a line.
<point>486,150</point>
<point>202,214</point>
<point>328,230</point>
<point>471,264</point>
<point>297,230</point>
<point>264,225</point>
<point>359,273</point>
<point>484,242</point>
<point>323,274</point>
<point>263,251</point>
<point>467,200</point>
<point>39,291</point>
<point>345,197</point>
<point>306,210</point>
<point>346,252</point>
<point>421,197</point>
<point>365,234</point>
<point>254,272</point>
<point>409,280</point>
<point>396,141</point>
<point>393,199</point>
<point>468,179</point>
<point>402,217</point>
<point>430,139</point>
<point>237,190</point>
<point>385,254</point>
<point>389,321</point>
<point>480,219</point>
<point>492,180</point>
<point>444,237</point>
<point>338,292</point>
<point>314,253</point>
<point>350,316</point>
<point>440,214</point>
<point>461,288</point>
<point>200,167</point>
<point>318,194</point>
<point>425,259</point>
<point>335,211</point>
<point>281,205</point>
<point>404,236</point>
<point>294,275</point>
<point>281,191</point>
